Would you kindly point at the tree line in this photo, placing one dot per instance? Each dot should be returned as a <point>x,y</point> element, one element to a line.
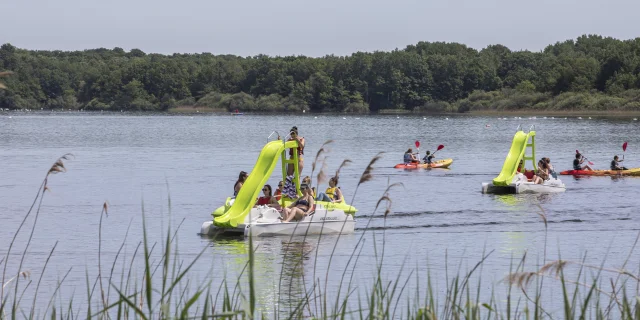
<point>427,76</point>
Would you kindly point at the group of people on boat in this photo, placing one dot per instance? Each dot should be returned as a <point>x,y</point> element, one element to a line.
<point>410,157</point>
<point>543,172</point>
<point>301,205</point>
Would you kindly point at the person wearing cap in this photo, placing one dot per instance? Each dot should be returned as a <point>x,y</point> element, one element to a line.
<point>294,136</point>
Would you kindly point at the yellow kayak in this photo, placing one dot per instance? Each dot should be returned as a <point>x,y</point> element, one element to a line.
<point>444,163</point>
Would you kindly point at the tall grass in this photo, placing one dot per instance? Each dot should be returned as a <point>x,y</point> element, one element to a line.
<point>167,289</point>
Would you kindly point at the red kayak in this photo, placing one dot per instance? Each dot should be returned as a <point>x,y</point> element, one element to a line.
<point>444,163</point>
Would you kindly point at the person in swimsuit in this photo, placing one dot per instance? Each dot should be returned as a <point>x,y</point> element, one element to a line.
<point>294,136</point>
<point>241,179</point>
<point>543,172</point>
<point>301,207</point>
<point>307,180</point>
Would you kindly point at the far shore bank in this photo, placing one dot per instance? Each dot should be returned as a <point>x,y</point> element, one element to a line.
<point>523,112</point>
<point>389,112</point>
<point>557,113</point>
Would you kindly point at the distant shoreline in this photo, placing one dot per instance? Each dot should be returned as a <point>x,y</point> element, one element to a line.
<point>389,112</point>
<point>557,113</point>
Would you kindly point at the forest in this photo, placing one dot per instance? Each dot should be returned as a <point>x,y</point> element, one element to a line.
<point>589,73</point>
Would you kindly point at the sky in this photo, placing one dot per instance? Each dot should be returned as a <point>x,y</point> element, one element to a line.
<point>307,27</point>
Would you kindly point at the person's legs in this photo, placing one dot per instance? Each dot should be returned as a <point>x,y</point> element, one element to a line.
<point>323,197</point>
<point>293,213</point>
<point>285,213</point>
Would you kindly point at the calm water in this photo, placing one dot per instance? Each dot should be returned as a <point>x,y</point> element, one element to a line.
<point>439,219</point>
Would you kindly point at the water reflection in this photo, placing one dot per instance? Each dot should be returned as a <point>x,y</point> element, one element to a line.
<point>280,267</point>
<point>293,288</point>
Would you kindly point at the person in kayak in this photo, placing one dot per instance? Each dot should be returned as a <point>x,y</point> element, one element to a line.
<point>577,163</point>
<point>428,158</point>
<point>300,208</point>
<point>615,164</point>
<point>409,157</point>
<point>241,179</point>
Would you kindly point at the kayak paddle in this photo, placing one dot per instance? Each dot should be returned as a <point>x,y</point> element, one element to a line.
<point>590,163</point>
<point>440,147</point>
<point>624,148</point>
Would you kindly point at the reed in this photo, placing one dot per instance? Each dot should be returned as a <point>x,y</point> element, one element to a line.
<point>167,289</point>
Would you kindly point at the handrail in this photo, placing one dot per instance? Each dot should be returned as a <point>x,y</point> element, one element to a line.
<point>274,131</point>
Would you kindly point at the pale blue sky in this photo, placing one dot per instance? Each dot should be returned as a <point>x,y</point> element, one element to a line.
<point>312,28</point>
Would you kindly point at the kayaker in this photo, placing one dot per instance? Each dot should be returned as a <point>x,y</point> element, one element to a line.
<point>267,199</point>
<point>333,193</point>
<point>409,157</point>
<point>428,158</point>
<point>615,164</point>
<point>577,163</point>
<point>241,179</point>
<point>300,208</point>
<point>294,136</point>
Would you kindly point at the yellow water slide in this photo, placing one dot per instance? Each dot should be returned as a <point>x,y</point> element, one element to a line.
<point>516,153</point>
<point>258,177</point>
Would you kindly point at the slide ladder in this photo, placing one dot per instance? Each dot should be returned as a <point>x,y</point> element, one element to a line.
<point>516,153</point>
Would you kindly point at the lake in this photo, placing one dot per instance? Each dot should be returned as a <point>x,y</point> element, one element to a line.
<point>178,168</point>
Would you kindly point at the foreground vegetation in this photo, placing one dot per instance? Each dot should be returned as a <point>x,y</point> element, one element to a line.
<point>591,72</point>
<point>165,290</point>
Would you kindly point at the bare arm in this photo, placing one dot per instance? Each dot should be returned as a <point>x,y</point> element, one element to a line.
<point>338,195</point>
<point>311,203</point>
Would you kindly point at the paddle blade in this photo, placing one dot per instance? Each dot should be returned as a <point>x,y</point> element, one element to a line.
<point>591,163</point>
<point>417,144</point>
<point>624,146</point>
<point>577,151</point>
<point>440,147</point>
